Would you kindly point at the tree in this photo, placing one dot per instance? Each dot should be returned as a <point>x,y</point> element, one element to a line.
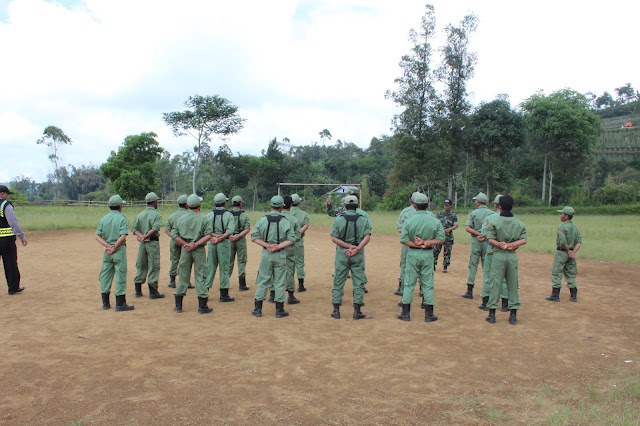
<point>76,181</point>
<point>605,101</point>
<point>325,135</point>
<point>132,170</point>
<point>627,95</point>
<point>206,116</point>
<point>54,138</point>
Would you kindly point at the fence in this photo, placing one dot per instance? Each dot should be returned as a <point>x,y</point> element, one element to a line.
<point>75,203</point>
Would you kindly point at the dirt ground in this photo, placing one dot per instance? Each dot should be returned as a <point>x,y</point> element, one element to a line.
<point>66,361</point>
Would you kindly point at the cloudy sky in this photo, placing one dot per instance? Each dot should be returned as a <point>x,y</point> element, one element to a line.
<point>104,69</point>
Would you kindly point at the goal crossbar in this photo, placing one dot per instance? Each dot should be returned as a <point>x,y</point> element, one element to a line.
<point>357,185</point>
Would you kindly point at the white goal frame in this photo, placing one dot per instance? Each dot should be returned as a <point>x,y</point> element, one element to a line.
<point>357,185</point>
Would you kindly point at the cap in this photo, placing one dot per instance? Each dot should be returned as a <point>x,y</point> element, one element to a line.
<point>277,201</point>
<point>193,200</point>
<point>482,197</point>
<point>350,199</point>
<point>182,199</point>
<point>295,199</point>
<point>3,188</point>
<point>420,198</point>
<point>237,199</point>
<point>116,200</point>
<point>448,201</point>
<point>567,210</point>
<point>151,197</point>
<point>497,199</point>
<point>220,198</point>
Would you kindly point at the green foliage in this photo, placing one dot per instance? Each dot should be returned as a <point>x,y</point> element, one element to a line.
<point>621,193</point>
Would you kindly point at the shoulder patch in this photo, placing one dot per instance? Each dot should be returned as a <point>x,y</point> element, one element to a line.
<point>559,232</point>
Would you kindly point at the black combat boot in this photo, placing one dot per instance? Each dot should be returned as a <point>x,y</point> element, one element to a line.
<point>224,295</point>
<point>423,305</point>
<point>178,307</point>
<point>400,302</point>
<point>121,304</point>
<point>365,290</point>
<point>242,284</point>
<point>574,294</point>
<point>280,312</point>
<point>469,293</point>
<point>172,281</point>
<point>138,289</point>
<point>444,270</point>
<point>483,305</point>
<point>357,313</point>
<point>272,296</point>
<point>398,292</point>
<point>555,295</point>
<point>406,312</point>
<point>505,305</point>
<point>257,308</point>
<point>491,318</point>
<point>153,293</point>
<point>202,306</point>
<point>512,318</point>
<point>292,299</point>
<point>428,314</point>
<point>336,311</point>
<point>301,286</point>
<point>105,301</point>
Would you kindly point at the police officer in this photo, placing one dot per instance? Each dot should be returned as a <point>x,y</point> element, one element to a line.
<point>479,244</point>
<point>219,247</point>
<point>112,234</point>
<point>147,229</point>
<point>273,233</point>
<point>420,233</point>
<point>238,242</point>
<point>486,269</point>
<point>303,220</point>
<point>9,229</point>
<point>449,221</point>
<point>192,232</point>
<point>351,232</point>
<point>568,242</point>
<point>174,249</point>
<point>505,234</point>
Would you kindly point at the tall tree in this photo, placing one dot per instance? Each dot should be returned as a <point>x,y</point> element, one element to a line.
<point>206,116</point>
<point>54,138</point>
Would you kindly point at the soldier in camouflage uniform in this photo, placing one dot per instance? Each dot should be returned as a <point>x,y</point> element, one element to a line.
<point>449,222</point>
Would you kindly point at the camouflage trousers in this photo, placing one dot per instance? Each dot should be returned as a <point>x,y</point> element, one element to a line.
<point>448,245</point>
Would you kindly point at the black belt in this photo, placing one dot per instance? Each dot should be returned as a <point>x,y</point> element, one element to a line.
<point>154,238</point>
<point>562,248</point>
<point>421,248</point>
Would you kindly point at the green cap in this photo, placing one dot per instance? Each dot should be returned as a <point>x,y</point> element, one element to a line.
<point>220,198</point>
<point>193,200</point>
<point>116,200</point>
<point>295,199</point>
<point>567,210</point>
<point>497,199</point>
<point>420,198</point>
<point>277,201</point>
<point>350,199</point>
<point>482,197</point>
<point>151,197</point>
<point>237,199</point>
<point>182,199</point>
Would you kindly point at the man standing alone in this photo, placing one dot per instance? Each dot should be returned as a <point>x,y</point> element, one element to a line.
<point>9,229</point>
<point>568,242</point>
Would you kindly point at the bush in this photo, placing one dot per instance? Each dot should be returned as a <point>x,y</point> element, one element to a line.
<point>612,193</point>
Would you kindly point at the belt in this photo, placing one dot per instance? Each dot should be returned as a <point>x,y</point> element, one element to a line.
<point>562,248</point>
<point>6,232</point>
<point>154,238</point>
<point>421,248</point>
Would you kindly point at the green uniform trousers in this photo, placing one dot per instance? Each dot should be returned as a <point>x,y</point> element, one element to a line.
<point>218,255</point>
<point>504,266</point>
<point>477,254</point>
<point>562,264</point>
<point>343,265</point>
<point>114,264</point>
<point>448,246</point>
<point>174,257</point>
<point>418,268</point>
<point>299,266</point>
<point>198,259</point>
<point>273,270</point>
<point>403,262</point>
<point>240,248</point>
<point>148,262</point>
<point>486,279</point>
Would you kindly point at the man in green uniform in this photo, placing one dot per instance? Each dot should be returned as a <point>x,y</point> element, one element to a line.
<point>192,232</point>
<point>223,224</point>
<point>486,269</point>
<point>273,233</point>
<point>147,229</point>
<point>351,232</point>
<point>449,221</point>
<point>112,234</point>
<point>174,249</point>
<point>505,234</point>
<point>479,244</point>
<point>290,251</point>
<point>303,220</point>
<point>568,242</point>
<point>405,214</point>
<point>420,233</point>
<point>238,242</point>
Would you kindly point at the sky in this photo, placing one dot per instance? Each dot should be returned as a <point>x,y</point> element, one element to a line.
<point>104,69</point>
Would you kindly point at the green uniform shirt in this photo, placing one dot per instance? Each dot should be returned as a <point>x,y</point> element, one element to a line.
<point>423,225</point>
<point>191,227</point>
<point>347,232</point>
<point>112,226</point>
<point>568,234</point>
<point>242,221</point>
<point>286,230</point>
<point>405,214</point>
<point>506,229</point>
<point>448,220</point>
<point>296,225</point>
<point>224,226</point>
<point>302,216</point>
<point>485,226</point>
<point>171,221</point>
<point>149,219</point>
<point>476,217</point>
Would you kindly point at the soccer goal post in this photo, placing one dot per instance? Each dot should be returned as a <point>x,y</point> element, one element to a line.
<point>343,187</point>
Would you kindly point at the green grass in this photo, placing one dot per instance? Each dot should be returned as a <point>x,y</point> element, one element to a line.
<point>606,238</point>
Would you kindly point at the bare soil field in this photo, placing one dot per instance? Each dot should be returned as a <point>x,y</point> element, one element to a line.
<point>66,361</point>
